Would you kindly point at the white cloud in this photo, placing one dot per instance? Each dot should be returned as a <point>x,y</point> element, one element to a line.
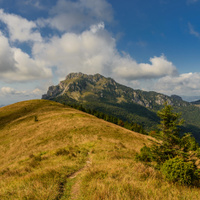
<point>8,91</point>
<point>128,68</point>
<point>37,91</point>
<point>20,29</point>
<point>29,68</point>
<point>15,65</point>
<point>12,91</point>
<point>94,51</point>
<point>68,15</point>
<point>185,84</point>
<point>7,61</point>
<point>10,95</point>
<point>193,31</point>
<point>88,52</point>
<point>95,28</point>
<point>33,3</point>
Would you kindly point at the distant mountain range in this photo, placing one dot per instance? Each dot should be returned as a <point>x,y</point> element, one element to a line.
<point>106,95</point>
<point>196,102</point>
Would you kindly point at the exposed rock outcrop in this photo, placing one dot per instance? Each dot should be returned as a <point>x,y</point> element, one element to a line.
<point>96,87</point>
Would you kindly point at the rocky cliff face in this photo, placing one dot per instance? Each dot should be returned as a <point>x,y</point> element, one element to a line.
<point>82,87</point>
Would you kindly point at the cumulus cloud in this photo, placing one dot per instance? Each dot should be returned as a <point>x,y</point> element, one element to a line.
<point>7,61</point>
<point>91,51</point>
<point>94,51</point>
<point>14,93</point>
<point>15,65</point>
<point>33,3</point>
<point>37,91</point>
<point>8,91</point>
<point>88,52</point>
<point>20,29</point>
<point>27,69</point>
<point>184,84</point>
<point>68,15</point>
<point>193,31</point>
<point>128,68</point>
<point>10,95</point>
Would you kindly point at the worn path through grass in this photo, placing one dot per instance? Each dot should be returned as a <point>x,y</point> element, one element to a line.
<point>75,190</point>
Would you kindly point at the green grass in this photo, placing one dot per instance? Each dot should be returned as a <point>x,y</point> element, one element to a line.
<point>40,157</point>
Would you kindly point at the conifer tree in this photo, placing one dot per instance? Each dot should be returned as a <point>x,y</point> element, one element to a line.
<point>174,154</point>
<point>169,126</point>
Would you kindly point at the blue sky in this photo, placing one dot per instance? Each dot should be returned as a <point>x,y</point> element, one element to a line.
<point>149,45</point>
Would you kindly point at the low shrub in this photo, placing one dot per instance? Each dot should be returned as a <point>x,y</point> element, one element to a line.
<point>145,154</point>
<point>35,160</point>
<point>180,171</point>
<point>36,118</point>
<point>62,152</point>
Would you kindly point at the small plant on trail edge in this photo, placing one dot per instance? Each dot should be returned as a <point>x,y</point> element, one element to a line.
<point>34,160</point>
<point>173,154</point>
<point>36,118</point>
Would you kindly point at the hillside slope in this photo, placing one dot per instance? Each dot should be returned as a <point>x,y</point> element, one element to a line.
<point>50,151</point>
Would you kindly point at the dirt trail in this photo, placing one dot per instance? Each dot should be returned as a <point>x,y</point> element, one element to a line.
<point>75,190</point>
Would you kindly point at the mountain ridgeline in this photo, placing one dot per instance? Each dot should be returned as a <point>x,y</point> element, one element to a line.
<point>196,102</point>
<point>106,95</point>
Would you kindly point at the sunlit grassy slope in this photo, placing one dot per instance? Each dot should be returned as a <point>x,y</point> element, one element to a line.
<point>49,151</point>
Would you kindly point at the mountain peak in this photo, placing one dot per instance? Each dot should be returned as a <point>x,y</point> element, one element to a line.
<point>176,97</point>
<point>97,88</point>
<point>76,75</point>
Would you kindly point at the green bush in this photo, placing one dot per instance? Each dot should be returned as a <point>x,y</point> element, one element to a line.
<point>188,143</point>
<point>145,154</point>
<point>198,152</point>
<point>180,171</point>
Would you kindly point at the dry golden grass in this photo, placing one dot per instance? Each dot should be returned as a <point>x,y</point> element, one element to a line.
<point>44,143</point>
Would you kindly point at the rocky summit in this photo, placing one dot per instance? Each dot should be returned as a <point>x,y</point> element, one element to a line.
<point>82,87</point>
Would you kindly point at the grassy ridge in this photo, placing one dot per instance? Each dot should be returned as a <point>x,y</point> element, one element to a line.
<point>50,151</point>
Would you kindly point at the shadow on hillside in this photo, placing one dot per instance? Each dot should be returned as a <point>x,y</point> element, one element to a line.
<point>127,112</point>
<point>189,128</point>
<point>8,118</point>
<point>11,114</point>
<point>140,111</point>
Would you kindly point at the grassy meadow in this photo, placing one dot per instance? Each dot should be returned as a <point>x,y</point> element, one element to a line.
<point>51,151</point>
